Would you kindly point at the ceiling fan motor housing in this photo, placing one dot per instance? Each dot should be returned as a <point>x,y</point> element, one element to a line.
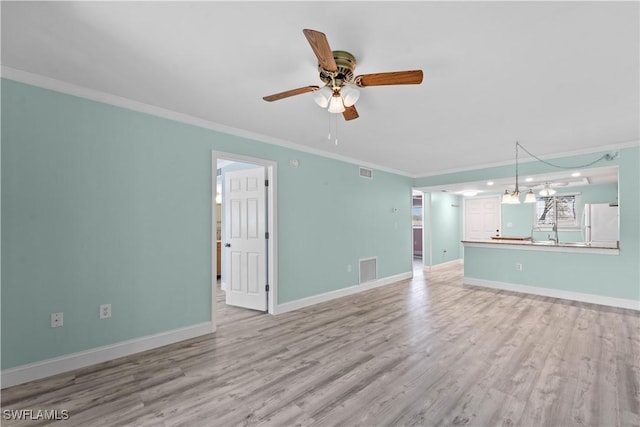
<point>346,64</point>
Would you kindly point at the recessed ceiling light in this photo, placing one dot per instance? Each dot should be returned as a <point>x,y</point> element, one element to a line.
<point>470,193</point>
<point>529,179</point>
<point>490,183</point>
<point>575,174</point>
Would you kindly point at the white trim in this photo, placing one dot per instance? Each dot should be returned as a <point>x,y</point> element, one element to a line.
<point>430,227</point>
<point>541,247</point>
<point>458,261</point>
<point>591,150</point>
<point>69,362</point>
<point>339,293</point>
<point>272,224</point>
<point>107,98</point>
<point>555,293</point>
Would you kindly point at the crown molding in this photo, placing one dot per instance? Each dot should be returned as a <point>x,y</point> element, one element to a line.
<point>608,147</point>
<point>129,104</point>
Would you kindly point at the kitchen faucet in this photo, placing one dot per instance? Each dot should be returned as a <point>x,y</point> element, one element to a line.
<point>555,230</point>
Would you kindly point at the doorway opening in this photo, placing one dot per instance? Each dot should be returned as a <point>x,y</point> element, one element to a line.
<point>417,224</point>
<point>244,234</point>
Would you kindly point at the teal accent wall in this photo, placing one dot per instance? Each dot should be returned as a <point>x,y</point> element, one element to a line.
<point>339,220</point>
<point>615,276</point>
<point>101,204</point>
<point>443,221</point>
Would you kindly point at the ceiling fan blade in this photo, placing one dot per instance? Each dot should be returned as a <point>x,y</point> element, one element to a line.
<point>350,113</point>
<point>320,46</point>
<point>291,92</point>
<point>412,77</point>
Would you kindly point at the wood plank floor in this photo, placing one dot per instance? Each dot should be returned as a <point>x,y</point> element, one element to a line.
<point>427,351</point>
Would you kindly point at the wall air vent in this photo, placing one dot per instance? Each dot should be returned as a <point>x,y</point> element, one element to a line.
<point>366,173</point>
<point>368,269</point>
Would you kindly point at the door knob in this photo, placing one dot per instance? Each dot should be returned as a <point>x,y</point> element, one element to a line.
<point>227,245</point>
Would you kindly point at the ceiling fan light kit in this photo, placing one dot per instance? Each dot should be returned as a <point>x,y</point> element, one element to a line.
<point>350,95</point>
<point>547,190</point>
<point>336,68</point>
<point>335,104</point>
<point>323,96</point>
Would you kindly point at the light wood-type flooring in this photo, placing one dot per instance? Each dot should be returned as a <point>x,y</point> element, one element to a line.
<point>427,351</point>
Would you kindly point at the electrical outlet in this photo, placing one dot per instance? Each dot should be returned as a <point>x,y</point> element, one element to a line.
<point>105,311</point>
<point>518,266</point>
<point>56,320</point>
<point>348,268</point>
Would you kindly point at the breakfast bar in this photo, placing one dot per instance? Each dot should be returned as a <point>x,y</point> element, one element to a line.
<point>527,244</point>
<point>570,270</point>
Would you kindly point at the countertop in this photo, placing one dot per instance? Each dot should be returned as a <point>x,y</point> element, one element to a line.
<point>546,245</point>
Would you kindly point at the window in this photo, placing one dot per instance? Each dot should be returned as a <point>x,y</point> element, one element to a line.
<point>567,206</point>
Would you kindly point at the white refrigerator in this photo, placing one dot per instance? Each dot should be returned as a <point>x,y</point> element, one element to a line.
<point>601,223</point>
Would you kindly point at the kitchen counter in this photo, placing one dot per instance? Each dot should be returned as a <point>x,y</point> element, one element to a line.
<point>610,248</point>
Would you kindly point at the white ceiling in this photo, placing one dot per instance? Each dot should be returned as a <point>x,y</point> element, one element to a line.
<point>559,77</point>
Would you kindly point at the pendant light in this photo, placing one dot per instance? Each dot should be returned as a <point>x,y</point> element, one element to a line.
<point>514,197</point>
<point>531,197</point>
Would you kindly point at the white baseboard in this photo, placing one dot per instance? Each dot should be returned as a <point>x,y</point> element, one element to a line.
<point>69,362</point>
<point>556,293</point>
<point>328,296</point>
<point>458,261</point>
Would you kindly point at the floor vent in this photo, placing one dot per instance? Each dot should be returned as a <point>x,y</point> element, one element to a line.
<point>366,173</point>
<point>368,269</point>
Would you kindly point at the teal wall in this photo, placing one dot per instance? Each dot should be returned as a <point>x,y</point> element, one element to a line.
<point>607,275</point>
<point>517,219</point>
<point>443,221</point>
<point>521,216</point>
<point>574,272</point>
<point>101,204</point>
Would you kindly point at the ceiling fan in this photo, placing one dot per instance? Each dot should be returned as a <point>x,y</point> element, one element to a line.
<point>340,92</point>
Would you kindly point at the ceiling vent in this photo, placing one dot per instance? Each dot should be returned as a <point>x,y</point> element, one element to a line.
<point>366,173</point>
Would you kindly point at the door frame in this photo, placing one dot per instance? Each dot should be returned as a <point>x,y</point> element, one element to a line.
<point>270,167</point>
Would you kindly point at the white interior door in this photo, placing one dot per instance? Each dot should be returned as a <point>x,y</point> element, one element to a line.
<point>245,241</point>
<point>481,218</point>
